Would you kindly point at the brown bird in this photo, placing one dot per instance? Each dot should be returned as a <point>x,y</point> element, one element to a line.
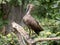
<point>31,22</point>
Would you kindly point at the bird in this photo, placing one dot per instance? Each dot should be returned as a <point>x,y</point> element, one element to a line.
<point>31,22</point>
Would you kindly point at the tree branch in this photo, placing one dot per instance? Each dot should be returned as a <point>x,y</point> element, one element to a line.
<point>29,41</point>
<point>46,39</point>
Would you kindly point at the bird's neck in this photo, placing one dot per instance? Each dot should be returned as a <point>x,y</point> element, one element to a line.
<point>28,12</point>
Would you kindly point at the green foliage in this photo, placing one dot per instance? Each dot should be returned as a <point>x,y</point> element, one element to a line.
<point>10,39</point>
<point>47,12</point>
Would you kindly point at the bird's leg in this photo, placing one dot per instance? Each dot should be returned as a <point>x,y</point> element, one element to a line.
<point>29,32</point>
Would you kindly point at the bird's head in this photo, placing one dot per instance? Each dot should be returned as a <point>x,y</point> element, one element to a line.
<point>30,6</point>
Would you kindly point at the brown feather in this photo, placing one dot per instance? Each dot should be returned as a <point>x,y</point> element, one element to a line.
<point>31,22</point>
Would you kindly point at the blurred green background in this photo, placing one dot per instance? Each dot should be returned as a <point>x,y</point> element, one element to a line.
<point>46,12</point>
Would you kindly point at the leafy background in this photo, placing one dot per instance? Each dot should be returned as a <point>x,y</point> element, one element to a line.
<point>46,12</point>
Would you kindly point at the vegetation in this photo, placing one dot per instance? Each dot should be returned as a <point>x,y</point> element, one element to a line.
<point>46,12</point>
